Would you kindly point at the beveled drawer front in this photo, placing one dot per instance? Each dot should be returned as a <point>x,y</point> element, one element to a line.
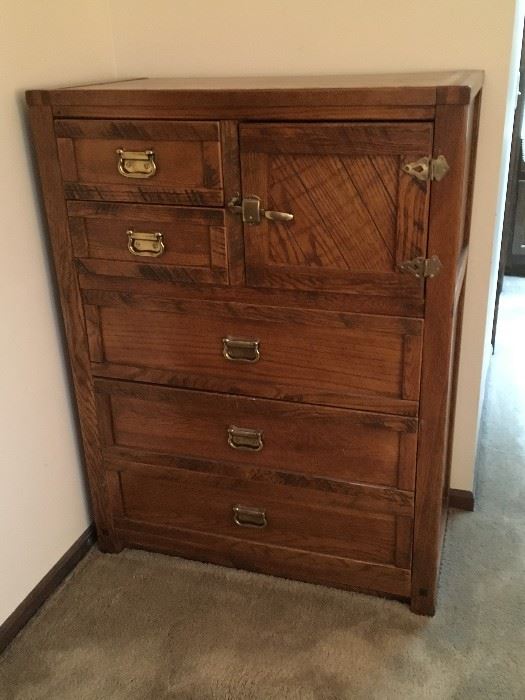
<point>162,162</point>
<point>274,515</point>
<point>357,361</point>
<point>183,244</point>
<point>311,440</point>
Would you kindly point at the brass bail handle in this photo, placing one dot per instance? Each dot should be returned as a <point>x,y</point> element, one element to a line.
<point>245,516</point>
<point>136,164</point>
<point>251,211</point>
<point>245,439</point>
<point>238,350</point>
<point>145,244</point>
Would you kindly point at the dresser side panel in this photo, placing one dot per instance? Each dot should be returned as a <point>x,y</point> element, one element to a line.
<point>73,316</point>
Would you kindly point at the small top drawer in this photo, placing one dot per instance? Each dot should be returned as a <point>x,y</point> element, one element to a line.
<point>156,162</point>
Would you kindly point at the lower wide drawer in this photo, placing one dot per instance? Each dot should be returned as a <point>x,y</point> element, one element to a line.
<point>315,441</point>
<point>294,518</point>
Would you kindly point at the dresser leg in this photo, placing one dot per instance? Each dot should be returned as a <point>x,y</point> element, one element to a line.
<point>423,605</point>
<point>108,542</point>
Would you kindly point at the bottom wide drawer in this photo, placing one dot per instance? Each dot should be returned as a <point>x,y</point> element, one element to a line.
<point>276,515</point>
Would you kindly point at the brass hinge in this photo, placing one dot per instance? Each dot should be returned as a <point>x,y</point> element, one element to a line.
<point>427,168</point>
<point>422,267</point>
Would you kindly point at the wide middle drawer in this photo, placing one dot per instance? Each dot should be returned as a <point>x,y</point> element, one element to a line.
<point>141,421</point>
<point>351,360</point>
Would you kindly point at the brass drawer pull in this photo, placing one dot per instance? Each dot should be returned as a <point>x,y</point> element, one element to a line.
<point>241,350</point>
<point>145,244</point>
<point>249,517</point>
<point>137,164</point>
<point>245,439</point>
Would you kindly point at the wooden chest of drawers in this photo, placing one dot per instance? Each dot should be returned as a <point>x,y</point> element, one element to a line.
<point>261,282</point>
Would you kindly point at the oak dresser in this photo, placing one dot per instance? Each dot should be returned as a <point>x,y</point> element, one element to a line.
<point>261,282</point>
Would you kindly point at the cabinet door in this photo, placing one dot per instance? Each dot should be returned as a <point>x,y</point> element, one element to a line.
<point>356,214</point>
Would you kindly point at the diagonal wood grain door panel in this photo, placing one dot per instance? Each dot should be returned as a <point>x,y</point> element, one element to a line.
<point>357,215</point>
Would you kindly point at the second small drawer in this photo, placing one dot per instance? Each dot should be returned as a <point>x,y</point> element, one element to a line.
<point>176,244</point>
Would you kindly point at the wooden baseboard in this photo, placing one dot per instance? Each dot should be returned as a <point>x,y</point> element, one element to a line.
<point>41,592</point>
<point>464,500</point>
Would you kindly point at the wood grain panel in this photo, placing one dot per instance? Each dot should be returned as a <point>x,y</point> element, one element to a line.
<point>318,441</point>
<point>187,154</point>
<point>317,357</point>
<point>194,241</point>
<point>357,215</point>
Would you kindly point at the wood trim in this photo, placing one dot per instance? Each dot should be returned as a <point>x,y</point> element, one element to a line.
<point>154,130</point>
<point>231,167</point>
<point>313,112</point>
<point>46,587</point>
<point>447,214</point>
<point>461,499</point>
<point>287,562</point>
<point>170,273</point>
<point>358,496</point>
<point>412,327</point>
<point>465,93</point>
<point>94,333</point>
<point>366,304</point>
<point>392,408</point>
<point>393,90</point>
<point>339,138</point>
<point>79,241</point>
<point>41,120</point>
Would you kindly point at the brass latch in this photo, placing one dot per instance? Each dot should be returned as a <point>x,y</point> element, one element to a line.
<point>251,211</point>
<point>422,267</point>
<point>427,168</point>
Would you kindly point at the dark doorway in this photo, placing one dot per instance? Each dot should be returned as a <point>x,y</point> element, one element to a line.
<point>512,255</point>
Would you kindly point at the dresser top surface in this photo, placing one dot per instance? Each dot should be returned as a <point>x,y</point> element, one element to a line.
<point>450,87</point>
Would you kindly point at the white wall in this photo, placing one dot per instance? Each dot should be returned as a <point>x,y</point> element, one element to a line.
<point>42,499</point>
<point>249,37</point>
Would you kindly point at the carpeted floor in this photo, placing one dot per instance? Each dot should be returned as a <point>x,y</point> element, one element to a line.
<point>137,626</point>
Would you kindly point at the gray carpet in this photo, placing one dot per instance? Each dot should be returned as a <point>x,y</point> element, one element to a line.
<point>138,626</point>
